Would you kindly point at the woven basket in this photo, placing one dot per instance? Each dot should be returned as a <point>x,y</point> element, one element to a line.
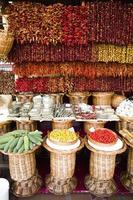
<point>6,39</point>
<point>130,161</point>
<point>123,124</point>
<point>26,125</point>
<point>62,124</point>
<point>116,100</point>
<point>22,166</point>
<point>5,127</point>
<point>58,98</point>
<point>24,98</point>
<point>102,98</point>
<point>102,165</point>
<point>78,97</point>
<point>62,166</point>
<point>28,187</point>
<point>88,125</point>
<point>127,177</point>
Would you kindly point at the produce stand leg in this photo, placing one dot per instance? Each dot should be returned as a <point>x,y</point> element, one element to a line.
<point>127,177</point>
<point>28,187</point>
<point>26,180</point>
<point>100,180</point>
<point>61,180</point>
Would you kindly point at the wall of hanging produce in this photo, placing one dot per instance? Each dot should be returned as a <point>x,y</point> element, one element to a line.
<point>88,70</point>
<point>61,84</point>
<point>62,48</point>
<point>104,22</point>
<point>36,52</point>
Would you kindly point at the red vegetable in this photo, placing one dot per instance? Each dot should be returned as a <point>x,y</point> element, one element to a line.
<point>105,136</point>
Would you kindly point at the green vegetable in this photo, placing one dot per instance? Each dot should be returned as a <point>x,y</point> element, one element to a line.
<point>2,146</point>
<point>15,150</point>
<point>31,145</point>
<point>21,150</point>
<point>20,142</point>
<point>26,143</point>
<point>7,146</point>
<point>34,139</point>
<point>38,138</point>
<point>4,139</point>
<point>15,142</point>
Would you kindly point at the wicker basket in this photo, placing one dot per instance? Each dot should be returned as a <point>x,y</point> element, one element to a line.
<point>62,166</point>
<point>22,169</point>
<point>58,98</point>
<point>127,177</point>
<point>102,165</point>
<point>26,125</point>
<point>78,97</point>
<point>6,40</point>
<point>116,100</point>
<point>24,98</point>
<point>97,124</point>
<point>62,124</point>
<point>5,127</point>
<point>125,123</point>
<point>102,98</point>
<point>28,187</point>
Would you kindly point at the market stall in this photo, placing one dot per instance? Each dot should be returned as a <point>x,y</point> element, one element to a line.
<point>71,68</point>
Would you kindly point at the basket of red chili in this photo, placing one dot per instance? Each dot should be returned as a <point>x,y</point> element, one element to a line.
<point>103,136</point>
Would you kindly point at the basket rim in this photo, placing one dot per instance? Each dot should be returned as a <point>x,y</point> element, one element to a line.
<point>125,118</point>
<point>102,93</point>
<point>63,151</point>
<point>83,94</point>
<point>105,152</point>
<point>19,154</point>
<point>128,143</point>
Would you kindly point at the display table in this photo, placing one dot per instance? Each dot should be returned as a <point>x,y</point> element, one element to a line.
<point>101,171</point>
<point>62,167</point>
<point>22,167</point>
<point>127,177</point>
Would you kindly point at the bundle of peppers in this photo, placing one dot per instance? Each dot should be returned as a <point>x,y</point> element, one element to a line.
<point>112,53</point>
<point>71,84</point>
<point>40,85</point>
<point>104,22</point>
<point>88,69</point>
<point>35,52</point>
